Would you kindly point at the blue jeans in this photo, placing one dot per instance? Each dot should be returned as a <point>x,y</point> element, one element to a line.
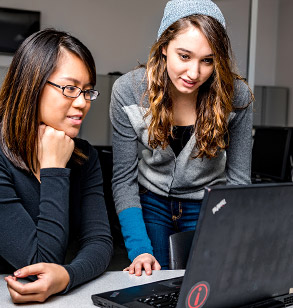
<point>164,216</point>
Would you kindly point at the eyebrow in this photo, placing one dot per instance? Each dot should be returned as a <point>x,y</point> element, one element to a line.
<point>188,51</point>
<point>76,81</point>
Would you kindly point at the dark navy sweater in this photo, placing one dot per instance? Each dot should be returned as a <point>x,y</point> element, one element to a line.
<point>39,222</point>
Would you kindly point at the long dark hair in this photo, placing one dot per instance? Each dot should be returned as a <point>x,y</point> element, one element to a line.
<point>33,63</point>
<point>215,96</point>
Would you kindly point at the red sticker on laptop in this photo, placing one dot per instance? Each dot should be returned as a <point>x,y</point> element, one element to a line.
<point>197,295</point>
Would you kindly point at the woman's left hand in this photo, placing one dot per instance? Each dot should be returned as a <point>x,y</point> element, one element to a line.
<point>146,261</point>
<point>52,278</point>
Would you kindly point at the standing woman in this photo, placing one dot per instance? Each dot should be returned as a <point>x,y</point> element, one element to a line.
<point>51,199</point>
<point>193,117</point>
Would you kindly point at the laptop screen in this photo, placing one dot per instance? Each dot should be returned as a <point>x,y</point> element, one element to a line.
<point>241,254</point>
<point>242,248</point>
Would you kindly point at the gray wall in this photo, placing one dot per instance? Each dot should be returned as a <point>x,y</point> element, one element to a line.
<point>284,63</point>
<point>120,33</point>
<point>97,128</point>
<point>236,13</point>
<point>274,48</point>
<point>267,34</point>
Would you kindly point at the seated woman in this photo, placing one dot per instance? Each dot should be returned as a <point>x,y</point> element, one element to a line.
<point>51,196</point>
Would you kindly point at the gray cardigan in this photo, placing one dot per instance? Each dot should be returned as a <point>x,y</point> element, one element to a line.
<point>160,171</point>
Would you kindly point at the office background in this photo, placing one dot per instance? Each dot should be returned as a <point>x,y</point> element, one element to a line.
<point>120,33</point>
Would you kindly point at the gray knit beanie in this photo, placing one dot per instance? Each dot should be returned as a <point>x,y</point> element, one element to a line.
<point>177,9</point>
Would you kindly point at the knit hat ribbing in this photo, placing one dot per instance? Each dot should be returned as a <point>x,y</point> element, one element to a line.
<point>177,9</point>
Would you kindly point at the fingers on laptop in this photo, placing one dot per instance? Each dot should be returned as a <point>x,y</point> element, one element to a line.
<point>144,261</point>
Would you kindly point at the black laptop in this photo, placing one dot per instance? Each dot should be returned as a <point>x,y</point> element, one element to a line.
<point>241,255</point>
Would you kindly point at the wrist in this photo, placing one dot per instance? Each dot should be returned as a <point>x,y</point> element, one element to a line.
<point>52,165</point>
<point>65,279</point>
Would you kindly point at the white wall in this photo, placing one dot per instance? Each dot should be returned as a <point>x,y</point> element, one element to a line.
<point>118,32</point>
<point>275,47</point>
<point>284,62</point>
<point>236,13</point>
<point>266,47</point>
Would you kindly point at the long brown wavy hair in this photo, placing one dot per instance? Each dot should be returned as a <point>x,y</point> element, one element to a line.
<point>33,63</point>
<point>215,97</point>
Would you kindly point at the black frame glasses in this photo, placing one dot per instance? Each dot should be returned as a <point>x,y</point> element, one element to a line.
<point>74,92</point>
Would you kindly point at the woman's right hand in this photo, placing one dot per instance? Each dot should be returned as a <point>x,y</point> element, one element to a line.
<point>52,279</point>
<point>146,261</point>
<point>54,147</point>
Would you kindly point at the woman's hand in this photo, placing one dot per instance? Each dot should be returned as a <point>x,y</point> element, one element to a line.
<point>146,261</point>
<point>54,147</point>
<point>52,278</point>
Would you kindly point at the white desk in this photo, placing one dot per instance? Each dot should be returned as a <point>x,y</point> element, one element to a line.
<point>80,297</point>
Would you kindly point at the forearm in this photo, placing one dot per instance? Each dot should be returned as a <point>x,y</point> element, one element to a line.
<point>90,262</point>
<point>53,220</point>
<point>125,192</point>
<point>134,232</point>
<point>124,112</point>
<point>34,217</point>
<point>93,230</point>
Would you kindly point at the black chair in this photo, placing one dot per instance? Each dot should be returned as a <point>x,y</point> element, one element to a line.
<point>119,259</point>
<point>106,160</point>
<point>179,248</point>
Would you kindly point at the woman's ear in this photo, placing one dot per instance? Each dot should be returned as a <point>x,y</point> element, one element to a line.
<point>164,51</point>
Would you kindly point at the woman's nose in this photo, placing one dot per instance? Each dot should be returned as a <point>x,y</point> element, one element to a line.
<point>80,101</point>
<point>193,71</point>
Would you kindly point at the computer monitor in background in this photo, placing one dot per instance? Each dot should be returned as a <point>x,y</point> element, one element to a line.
<point>15,26</point>
<point>272,154</point>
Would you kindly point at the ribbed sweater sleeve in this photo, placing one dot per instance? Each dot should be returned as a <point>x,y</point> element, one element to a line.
<point>238,166</point>
<point>24,241</point>
<point>125,171</point>
<point>95,239</point>
<point>35,218</point>
<point>125,149</point>
<point>134,232</point>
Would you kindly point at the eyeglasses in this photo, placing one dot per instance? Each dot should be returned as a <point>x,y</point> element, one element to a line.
<point>74,92</point>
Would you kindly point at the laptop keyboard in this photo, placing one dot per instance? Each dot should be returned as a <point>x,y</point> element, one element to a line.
<point>168,300</point>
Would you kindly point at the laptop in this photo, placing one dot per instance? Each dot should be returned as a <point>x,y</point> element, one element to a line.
<point>241,255</point>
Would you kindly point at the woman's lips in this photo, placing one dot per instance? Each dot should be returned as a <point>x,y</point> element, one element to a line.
<point>76,120</point>
<point>188,83</point>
